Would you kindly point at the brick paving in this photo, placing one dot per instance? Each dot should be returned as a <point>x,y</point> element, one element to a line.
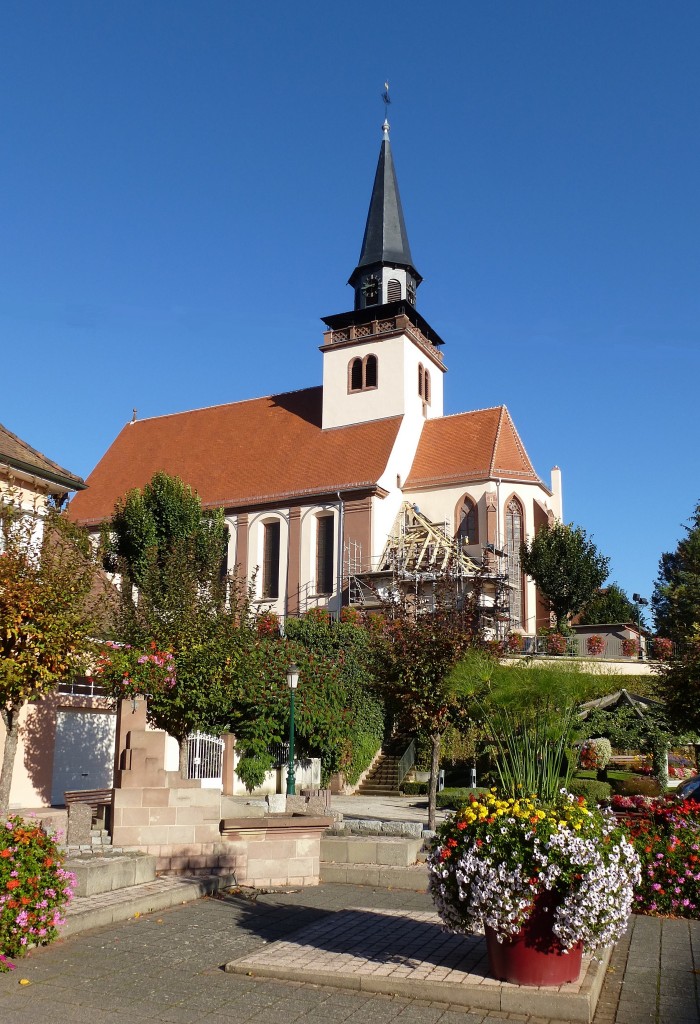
<point>168,967</point>
<point>407,952</point>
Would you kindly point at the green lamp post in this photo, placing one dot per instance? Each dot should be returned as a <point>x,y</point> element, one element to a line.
<point>292,682</point>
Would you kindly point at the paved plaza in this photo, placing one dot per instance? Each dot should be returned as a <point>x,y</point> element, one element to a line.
<point>168,967</point>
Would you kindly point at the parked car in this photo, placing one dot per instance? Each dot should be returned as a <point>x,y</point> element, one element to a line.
<point>690,790</point>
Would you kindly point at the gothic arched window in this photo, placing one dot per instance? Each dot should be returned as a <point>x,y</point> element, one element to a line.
<point>468,531</point>
<point>513,539</point>
<point>370,375</point>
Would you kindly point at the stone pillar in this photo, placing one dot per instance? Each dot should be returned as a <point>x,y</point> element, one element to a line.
<point>131,715</point>
<point>227,764</point>
<point>294,561</point>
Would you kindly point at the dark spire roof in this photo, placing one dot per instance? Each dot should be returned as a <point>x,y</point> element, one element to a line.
<point>385,239</point>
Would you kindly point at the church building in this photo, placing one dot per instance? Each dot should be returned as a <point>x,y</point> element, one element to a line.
<point>330,490</point>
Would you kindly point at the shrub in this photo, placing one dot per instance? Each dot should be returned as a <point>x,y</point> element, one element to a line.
<point>415,789</point>
<point>593,791</point>
<point>595,753</point>
<point>252,768</point>
<point>268,624</point>
<point>457,797</point>
<point>636,785</point>
<point>34,885</point>
<point>595,645</point>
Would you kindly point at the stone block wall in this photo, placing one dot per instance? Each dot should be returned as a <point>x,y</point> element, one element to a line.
<point>276,851</point>
<point>179,825</point>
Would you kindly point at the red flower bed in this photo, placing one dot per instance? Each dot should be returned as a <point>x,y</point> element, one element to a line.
<point>667,839</point>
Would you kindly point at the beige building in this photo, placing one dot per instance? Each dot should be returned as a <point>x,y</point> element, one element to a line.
<point>67,738</point>
<point>325,487</point>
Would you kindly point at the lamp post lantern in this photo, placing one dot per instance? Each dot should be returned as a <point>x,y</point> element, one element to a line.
<point>292,681</point>
<point>639,601</point>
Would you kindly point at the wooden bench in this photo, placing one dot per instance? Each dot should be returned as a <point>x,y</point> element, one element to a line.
<point>100,801</point>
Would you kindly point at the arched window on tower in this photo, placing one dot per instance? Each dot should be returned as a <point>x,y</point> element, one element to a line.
<point>420,379</point>
<point>468,531</point>
<point>363,374</point>
<point>355,375</point>
<point>426,387</point>
<point>393,290</point>
<point>513,539</point>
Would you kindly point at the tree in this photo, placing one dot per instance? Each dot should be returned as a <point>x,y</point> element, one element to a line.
<point>51,607</point>
<point>566,566</point>
<point>679,684</point>
<point>676,598</point>
<point>611,604</point>
<point>169,549</point>
<point>416,652</point>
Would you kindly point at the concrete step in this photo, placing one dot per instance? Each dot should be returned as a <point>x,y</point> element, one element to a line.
<point>378,791</point>
<point>95,874</point>
<point>394,850</point>
<point>385,876</point>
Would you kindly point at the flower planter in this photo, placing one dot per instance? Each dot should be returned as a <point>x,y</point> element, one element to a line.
<point>534,956</point>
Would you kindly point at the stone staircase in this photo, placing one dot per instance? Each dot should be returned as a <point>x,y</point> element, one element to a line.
<point>383,780</point>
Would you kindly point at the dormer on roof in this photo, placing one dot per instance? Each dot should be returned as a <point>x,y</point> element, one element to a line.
<point>385,271</point>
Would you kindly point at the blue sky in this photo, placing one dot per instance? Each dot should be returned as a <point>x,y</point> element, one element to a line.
<point>184,187</point>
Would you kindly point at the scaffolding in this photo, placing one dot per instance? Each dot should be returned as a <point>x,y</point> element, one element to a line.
<point>419,552</point>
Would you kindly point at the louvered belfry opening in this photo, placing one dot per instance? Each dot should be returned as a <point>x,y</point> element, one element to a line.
<point>393,290</point>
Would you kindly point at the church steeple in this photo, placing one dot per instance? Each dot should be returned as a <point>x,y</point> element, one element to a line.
<point>385,271</point>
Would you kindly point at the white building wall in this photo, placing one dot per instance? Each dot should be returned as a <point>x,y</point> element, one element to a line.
<point>308,584</point>
<point>256,534</point>
<point>439,504</point>
<point>397,376</point>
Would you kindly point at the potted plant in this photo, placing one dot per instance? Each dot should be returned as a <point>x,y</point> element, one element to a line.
<point>630,647</point>
<point>556,643</point>
<point>595,645</point>
<point>662,648</point>
<point>545,882</point>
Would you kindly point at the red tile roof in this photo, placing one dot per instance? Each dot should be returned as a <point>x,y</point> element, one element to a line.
<point>470,446</point>
<point>17,453</point>
<point>243,454</point>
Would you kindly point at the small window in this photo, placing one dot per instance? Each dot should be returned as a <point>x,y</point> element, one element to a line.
<point>324,555</point>
<point>363,374</point>
<point>393,290</point>
<point>356,375</point>
<point>271,561</point>
<point>420,379</point>
<point>426,387</point>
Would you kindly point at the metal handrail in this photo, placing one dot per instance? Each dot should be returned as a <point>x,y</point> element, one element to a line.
<point>406,762</point>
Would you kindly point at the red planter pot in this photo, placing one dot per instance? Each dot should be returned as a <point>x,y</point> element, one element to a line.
<point>534,956</point>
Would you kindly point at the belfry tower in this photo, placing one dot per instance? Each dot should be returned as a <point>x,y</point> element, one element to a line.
<point>382,358</point>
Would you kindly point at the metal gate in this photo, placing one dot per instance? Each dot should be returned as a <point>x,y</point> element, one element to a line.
<point>204,758</point>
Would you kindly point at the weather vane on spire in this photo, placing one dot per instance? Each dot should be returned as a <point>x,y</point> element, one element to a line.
<point>387,100</point>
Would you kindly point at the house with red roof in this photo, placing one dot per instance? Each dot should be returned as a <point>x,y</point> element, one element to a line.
<point>326,487</point>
